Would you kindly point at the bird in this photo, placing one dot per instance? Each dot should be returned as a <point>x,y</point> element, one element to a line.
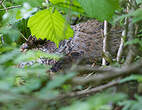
<point>86,43</point>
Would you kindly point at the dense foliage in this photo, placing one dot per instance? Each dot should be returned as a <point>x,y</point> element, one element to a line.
<point>30,88</point>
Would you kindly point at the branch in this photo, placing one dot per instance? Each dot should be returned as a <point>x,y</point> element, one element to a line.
<point>110,74</point>
<point>64,96</point>
<point>89,68</point>
<point>132,49</point>
<point>83,92</point>
<point>12,7</point>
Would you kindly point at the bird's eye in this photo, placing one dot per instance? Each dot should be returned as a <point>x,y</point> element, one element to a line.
<point>75,54</point>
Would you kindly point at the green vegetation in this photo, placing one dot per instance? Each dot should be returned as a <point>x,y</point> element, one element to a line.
<point>30,88</point>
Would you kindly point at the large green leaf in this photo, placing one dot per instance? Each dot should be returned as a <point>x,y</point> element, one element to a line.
<point>51,25</point>
<point>67,5</point>
<point>99,9</point>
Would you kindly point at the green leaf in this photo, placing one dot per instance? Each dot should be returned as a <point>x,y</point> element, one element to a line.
<point>25,12</point>
<point>132,104</point>
<point>98,102</point>
<point>135,41</point>
<point>132,77</point>
<point>11,33</point>
<point>8,56</point>
<point>59,80</point>
<point>137,15</point>
<point>67,5</point>
<point>100,9</point>
<point>138,1</point>
<point>33,3</point>
<point>35,55</point>
<point>78,106</point>
<point>7,97</point>
<point>50,25</point>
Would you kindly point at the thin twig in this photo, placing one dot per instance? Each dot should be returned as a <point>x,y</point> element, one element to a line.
<point>1,2</point>
<point>92,69</point>
<point>4,7</point>
<point>12,7</point>
<point>23,36</point>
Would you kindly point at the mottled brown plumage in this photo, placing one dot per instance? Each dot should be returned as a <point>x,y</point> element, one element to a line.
<point>87,42</point>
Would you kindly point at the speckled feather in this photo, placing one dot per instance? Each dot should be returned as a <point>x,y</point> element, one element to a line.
<point>87,41</point>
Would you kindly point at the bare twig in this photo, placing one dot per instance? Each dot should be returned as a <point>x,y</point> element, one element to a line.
<point>1,2</point>
<point>12,7</point>
<point>124,34</point>
<point>92,69</point>
<point>110,74</point>
<point>24,37</point>
<point>105,41</point>
<point>120,50</point>
<point>4,7</point>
